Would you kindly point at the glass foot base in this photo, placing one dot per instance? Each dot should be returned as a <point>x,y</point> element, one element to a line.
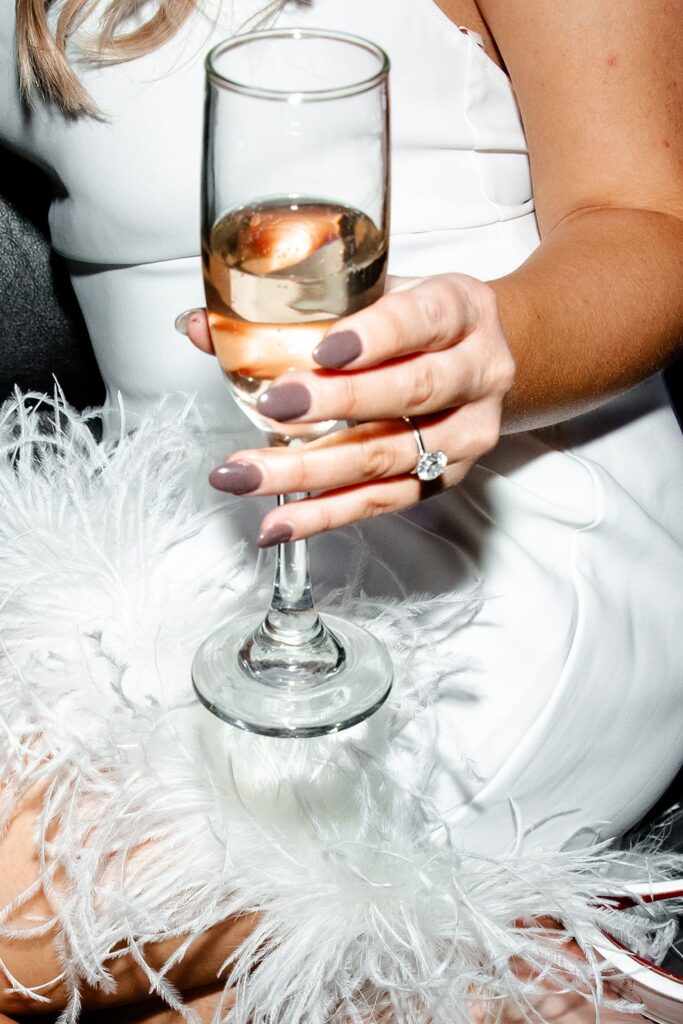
<point>284,700</point>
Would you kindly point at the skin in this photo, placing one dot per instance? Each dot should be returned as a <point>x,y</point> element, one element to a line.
<point>36,961</point>
<point>597,308</point>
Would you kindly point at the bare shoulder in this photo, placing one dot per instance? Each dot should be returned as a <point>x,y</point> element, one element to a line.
<point>600,88</point>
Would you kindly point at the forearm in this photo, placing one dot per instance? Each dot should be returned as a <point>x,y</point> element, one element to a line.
<point>596,309</point>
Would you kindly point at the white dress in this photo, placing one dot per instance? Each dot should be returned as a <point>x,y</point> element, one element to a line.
<point>561,694</point>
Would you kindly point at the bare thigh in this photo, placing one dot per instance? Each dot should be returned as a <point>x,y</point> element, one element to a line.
<point>35,962</point>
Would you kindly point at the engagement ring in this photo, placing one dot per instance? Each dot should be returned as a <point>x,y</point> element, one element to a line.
<point>430,465</point>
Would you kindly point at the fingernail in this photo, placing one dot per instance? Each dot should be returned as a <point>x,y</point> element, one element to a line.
<point>182,322</point>
<point>236,477</point>
<point>285,402</point>
<point>280,533</point>
<point>338,349</point>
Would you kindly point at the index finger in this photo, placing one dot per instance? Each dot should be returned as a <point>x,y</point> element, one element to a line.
<point>419,316</point>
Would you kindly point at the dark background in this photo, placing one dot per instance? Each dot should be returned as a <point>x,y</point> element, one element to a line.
<point>41,330</point>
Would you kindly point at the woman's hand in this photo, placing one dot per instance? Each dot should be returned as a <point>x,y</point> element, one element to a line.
<point>432,349</point>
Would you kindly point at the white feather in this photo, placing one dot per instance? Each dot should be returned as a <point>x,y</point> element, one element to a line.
<point>158,821</point>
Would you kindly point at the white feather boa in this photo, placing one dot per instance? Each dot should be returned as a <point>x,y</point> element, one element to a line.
<point>158,821</point>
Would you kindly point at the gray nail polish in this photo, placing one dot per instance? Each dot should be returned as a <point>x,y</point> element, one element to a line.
<point>182,321</point>
<point>285,402</point>
<point>338,349</point>
<point>281,533</point>
<point>236,478</point>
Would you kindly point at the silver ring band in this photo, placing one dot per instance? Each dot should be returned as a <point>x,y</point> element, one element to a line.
<point>430,465</point>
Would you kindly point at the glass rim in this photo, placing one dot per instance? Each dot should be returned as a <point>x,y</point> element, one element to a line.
<point>301,95</point>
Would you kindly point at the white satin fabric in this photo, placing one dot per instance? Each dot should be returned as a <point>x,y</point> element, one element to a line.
<point>567,696</point>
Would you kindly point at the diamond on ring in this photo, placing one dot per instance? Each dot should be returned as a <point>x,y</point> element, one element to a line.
<point>430,465</point>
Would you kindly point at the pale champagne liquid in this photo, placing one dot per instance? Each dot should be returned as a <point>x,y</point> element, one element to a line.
<point>278,273</point>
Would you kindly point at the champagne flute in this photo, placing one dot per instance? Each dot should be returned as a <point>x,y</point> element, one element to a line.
<point>295,228</point>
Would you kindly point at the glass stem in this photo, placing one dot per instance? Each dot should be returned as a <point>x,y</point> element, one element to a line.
<point>292,618</point>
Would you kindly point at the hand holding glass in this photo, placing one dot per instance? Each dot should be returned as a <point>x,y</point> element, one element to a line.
<point>294,236</point>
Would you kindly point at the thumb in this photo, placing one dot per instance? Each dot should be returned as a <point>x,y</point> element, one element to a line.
<point>193,323</point>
